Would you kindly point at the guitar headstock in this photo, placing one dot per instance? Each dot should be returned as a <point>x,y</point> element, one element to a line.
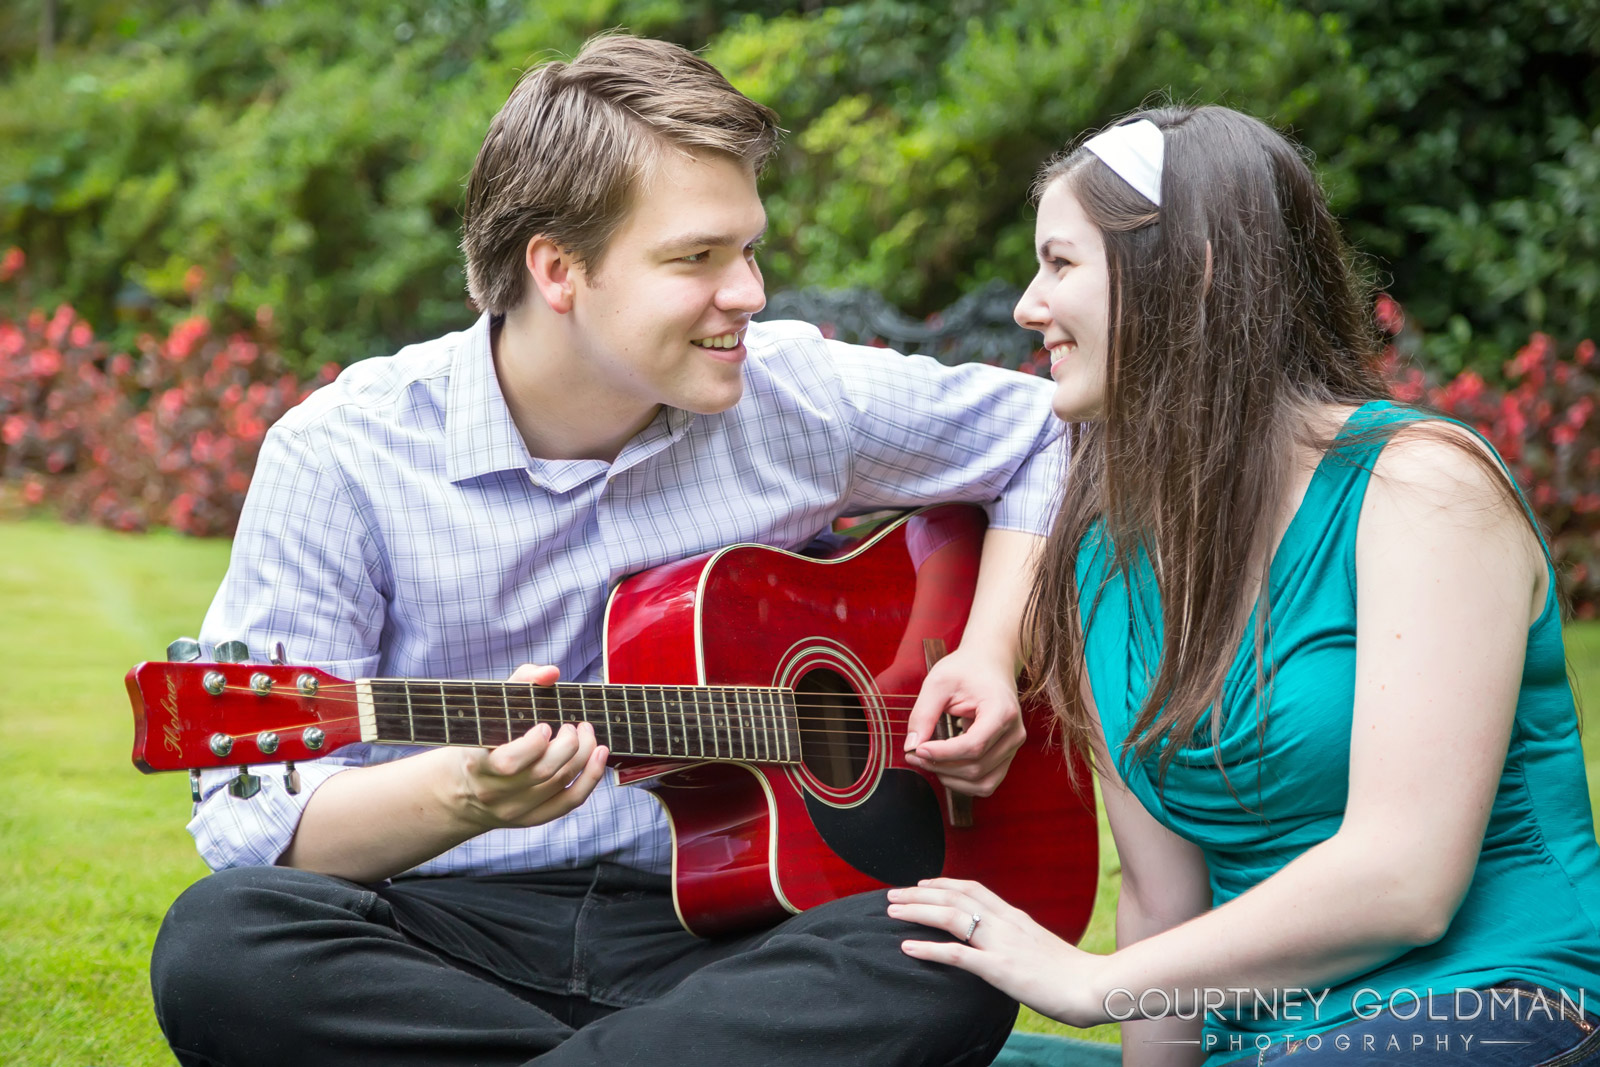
<point>199,715</point>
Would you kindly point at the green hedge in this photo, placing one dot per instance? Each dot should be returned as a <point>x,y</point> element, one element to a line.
<point>309,158</point>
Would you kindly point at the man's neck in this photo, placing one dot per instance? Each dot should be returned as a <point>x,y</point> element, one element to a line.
<point>561,412</point>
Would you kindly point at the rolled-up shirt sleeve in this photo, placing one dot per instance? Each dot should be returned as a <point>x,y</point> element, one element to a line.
<point>302,572</point>
<point>922,432</point>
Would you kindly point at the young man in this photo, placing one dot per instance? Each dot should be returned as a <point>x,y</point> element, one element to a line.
<point>465,507</point>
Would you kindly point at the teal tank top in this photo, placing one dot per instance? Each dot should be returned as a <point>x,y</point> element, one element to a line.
<point>1532,911</point>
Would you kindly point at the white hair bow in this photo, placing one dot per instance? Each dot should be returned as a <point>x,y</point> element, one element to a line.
<point>1135,152</point>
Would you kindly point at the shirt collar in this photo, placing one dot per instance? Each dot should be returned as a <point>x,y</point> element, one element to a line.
<point>480,436</point>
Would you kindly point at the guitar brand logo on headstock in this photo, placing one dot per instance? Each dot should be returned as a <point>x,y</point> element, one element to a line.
<point>170,733</point>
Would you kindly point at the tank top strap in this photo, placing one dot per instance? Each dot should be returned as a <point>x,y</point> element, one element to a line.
<point>1331,506</point>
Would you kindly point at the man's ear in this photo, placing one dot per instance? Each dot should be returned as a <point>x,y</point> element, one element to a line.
<point>551,269</point>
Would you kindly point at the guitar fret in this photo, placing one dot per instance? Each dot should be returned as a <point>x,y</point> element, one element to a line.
<point>769,722</point>
<point>683,718</point>
<point>519,709</point>
<point>757,729</point>
<point>627,717</point>
<point>682,721</point>
<point>546,700</point>
<point>444,712</point>
<point>411,719</point>
<point>505,708</point>
<point>788,751</point>
<point>650,723</point>
<point>605,709</point>
<point>775,726</point>
<point>774,723</point>
<point>764,736</point>
<point>753,730</point>
<point>699,719</point>
<point>387,722</point>
<point>493,730</point>
<point>477,712</point>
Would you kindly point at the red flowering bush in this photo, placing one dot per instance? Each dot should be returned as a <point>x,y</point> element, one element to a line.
<point>1544,425</point>
<point>166,435</point>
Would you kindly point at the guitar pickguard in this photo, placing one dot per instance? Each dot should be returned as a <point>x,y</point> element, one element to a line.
<point>895,835</point>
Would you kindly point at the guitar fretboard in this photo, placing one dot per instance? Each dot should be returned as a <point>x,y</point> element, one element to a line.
<point>694,722</point>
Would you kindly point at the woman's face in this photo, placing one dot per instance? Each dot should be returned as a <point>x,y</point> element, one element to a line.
<point>1067,302</point>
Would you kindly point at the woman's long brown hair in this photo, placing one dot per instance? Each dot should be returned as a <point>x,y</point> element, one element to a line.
<point>1235,312</point>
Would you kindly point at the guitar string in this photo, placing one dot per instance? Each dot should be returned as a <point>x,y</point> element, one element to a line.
<point>567,690</point>
<point>894,701</point>
<point>660,727</point>
<point>848,740</point>
<point>652,718</point>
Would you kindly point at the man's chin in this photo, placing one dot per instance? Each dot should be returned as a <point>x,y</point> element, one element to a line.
<point>714,402</point>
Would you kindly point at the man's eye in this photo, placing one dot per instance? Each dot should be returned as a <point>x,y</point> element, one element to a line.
<point>753,247</point>
<point>695,257</point>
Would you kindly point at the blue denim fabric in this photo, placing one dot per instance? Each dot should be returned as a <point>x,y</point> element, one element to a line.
<point>1515,1024</point>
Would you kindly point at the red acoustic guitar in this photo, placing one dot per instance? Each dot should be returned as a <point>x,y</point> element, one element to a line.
<point>766,692</point>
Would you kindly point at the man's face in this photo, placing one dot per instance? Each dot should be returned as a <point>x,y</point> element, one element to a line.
<point>662,319</point>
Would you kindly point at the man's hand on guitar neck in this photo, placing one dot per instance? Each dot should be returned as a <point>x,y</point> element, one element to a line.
<point>978,681</point>
<point>534,778</point>
<point>370,823</point>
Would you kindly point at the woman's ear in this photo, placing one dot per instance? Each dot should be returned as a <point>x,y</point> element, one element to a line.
<point>550,269</point>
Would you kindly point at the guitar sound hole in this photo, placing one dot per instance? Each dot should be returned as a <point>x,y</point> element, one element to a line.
<point>835,739</point>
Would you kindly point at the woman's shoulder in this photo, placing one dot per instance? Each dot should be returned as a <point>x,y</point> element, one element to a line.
<point>1440,489</point>
<point>1433,462</point>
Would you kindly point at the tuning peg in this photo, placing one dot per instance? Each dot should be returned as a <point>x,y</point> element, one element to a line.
<point>194,783</point>
<point>277,657</point>
<point>183,650</point>
<point>245,785</point>
<point>291,779</point>
<point>232,652</point>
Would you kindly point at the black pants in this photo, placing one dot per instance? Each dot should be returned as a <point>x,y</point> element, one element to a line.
<point>274,966</point>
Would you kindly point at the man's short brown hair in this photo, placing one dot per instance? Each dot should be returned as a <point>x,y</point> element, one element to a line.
<point>576,140</point>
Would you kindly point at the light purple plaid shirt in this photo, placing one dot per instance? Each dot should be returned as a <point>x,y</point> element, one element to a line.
<point>398,527</point>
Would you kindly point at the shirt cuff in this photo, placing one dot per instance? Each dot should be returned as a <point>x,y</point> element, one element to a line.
<point>1031,498</point>
<point>233,831</point>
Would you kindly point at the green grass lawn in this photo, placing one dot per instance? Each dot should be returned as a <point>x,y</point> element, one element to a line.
<point>91,852</point>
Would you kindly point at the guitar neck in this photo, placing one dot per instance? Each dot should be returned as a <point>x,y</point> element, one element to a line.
<point>690,722</point>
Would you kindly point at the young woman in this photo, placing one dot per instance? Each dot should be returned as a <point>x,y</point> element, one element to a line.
<point>1309,638</point>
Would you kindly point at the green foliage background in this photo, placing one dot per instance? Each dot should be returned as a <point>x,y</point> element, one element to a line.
<point>309,157</point>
